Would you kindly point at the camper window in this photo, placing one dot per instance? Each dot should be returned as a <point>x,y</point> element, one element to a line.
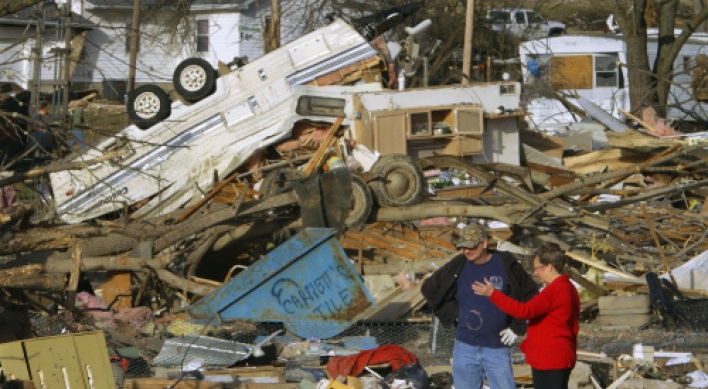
<point>320,106</point>
<point>606,70</point>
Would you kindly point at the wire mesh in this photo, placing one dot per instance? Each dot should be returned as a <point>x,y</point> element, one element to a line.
<point>432,344</point>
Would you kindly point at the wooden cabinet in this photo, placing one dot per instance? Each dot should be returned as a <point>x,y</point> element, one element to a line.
<point>422,132</point>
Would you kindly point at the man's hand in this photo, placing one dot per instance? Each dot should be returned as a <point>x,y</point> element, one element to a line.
<point>507,337</point>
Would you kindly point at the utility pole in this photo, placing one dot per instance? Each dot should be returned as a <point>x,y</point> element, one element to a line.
<point>134,46</point>
<point>467,51</point>
<point>68,66</point>
<point>37,62</point>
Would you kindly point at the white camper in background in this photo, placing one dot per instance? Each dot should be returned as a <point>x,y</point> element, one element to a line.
<point>591,67</point>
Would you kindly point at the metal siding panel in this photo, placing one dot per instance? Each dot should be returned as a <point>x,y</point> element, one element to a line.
<point>14,364</point>
<point>54,363</point>
<point>93,355</point>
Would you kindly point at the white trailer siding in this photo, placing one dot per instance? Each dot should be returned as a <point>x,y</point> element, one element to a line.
<point>14,56</point>
<point>549,113</point>
<point>681,91</point>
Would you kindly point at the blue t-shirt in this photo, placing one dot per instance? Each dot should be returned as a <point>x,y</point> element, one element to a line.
<point>479,321</point>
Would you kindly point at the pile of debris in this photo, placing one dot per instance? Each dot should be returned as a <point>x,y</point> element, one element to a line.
<point>331,220</point>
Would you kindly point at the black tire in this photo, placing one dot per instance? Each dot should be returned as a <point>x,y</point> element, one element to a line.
<point>194,79</point>
<point>402,182</point>
<point>148,105</point>
<point>361,203</point>
<point>556,32</point>
<point>278,180</point>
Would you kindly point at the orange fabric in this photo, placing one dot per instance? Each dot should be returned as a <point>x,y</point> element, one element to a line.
<point>352,365</point>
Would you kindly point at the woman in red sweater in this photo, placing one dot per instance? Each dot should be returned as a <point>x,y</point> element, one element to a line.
<point>551,343</point>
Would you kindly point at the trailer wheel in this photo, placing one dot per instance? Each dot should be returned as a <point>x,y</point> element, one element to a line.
<point>148,105</point>
<point>361,203</point>
<point>402,182</point>
<point>280,179</point>
<point>194,79</point>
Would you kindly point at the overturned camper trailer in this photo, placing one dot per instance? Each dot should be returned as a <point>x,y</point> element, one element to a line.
<point>591,67</point>
<point>168,157</point>
<point>171,152</point>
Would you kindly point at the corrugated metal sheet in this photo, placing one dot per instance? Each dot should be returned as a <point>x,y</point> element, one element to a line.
<point>214,352</point>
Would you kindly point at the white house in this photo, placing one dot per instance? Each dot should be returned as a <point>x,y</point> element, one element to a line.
<point>215,30</point>
<point>591,67</point>
<point>17,39</point>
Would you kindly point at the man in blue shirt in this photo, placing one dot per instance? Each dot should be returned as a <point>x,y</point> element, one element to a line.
<point>484,333</point>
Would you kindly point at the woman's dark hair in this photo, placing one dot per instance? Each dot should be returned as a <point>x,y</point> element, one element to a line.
<point>551,253</point>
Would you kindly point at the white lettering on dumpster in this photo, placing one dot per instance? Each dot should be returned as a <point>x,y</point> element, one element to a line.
<point>324,295</point>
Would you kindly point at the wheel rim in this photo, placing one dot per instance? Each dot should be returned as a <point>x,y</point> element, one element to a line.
<point>193,78</point>
<point>398,183</point>
<point>359,211</point>
<point>147,105</point>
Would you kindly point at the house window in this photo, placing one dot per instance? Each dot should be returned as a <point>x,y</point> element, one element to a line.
<point>687,64</point>
<point>202,37</point>
<point>606,70</point>
<point>129,37</point>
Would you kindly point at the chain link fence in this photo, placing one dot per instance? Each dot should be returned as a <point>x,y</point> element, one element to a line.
<point>134,353</point>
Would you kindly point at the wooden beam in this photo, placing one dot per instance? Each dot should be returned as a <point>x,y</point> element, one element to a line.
<point>317,159</point>
<point>74,275</point>
<point>598,265</point>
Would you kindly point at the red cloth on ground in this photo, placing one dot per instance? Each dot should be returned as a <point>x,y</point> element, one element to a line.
<point>352,365</point>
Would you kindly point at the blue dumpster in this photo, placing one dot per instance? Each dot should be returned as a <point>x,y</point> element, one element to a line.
<point>307,283</point>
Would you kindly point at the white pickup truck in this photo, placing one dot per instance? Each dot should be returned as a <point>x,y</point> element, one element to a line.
<point>522,23</point>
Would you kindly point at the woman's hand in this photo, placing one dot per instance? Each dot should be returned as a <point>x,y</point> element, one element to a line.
<point>483,289</point>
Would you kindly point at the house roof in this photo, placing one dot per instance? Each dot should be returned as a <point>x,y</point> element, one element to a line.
<point>28,16</point>
<point>195,6</point>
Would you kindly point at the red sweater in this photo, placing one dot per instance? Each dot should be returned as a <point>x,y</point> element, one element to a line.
<point>553,315</point>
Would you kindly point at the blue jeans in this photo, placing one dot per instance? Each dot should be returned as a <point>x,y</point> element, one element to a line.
<point>77,136</point>
<point>471,364</point>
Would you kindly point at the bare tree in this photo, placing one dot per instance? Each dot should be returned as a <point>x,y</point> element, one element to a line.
<point>272,28</point>
<point>652,85</point>
<point>12,6</point>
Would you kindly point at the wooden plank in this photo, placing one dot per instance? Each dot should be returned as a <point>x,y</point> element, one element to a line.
<point>316,161</point>
<point>598,265</point>
<point>75,273</point>
<point>632,287</point>
<point>208,197</point>
<point>572,72</point>
<point>597,161</point>
<point>161,383</point>
<point>650,223</point>
<point>117,286</point>
<point>551,146</point>
<point>397,306</point>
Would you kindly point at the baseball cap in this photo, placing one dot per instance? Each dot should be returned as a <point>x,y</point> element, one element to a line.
<point>470,236</point>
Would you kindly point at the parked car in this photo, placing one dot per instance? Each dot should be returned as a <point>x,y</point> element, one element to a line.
<point>522,23</point>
